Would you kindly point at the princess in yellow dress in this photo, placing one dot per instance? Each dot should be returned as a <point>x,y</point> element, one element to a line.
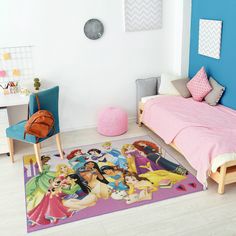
<point>140,188</point>
<point>156,176</point>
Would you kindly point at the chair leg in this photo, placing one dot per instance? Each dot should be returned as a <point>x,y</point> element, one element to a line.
<point>11,149</point>
<point>37,154</point>
<point>58,140</point>
<point>221,186</point>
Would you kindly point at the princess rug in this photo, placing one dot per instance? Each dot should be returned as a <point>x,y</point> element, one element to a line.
<point>101,178</point>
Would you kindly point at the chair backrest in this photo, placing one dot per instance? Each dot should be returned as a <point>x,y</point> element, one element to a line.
<point>48,101</point>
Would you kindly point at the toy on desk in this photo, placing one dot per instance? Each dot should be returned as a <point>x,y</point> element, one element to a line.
<point>6,56</point>
<point>5,90</point>
<point>10,87</point>
<point>37,84</point>
<point>3,73</point>
<point>26,87</point>
<point>4,86</point>
<point>13,87</point>
<point>16,72</point>
<point>24,91</point>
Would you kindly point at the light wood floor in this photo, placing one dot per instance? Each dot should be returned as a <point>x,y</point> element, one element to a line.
<point>204,213</point>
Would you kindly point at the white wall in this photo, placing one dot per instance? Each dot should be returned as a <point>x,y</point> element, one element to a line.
<point>186,33</point>
<point>181,36</point>
<point>91,74</point>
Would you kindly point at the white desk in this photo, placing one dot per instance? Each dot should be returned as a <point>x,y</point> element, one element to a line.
<point>13,100</point>
<point>7,101</point>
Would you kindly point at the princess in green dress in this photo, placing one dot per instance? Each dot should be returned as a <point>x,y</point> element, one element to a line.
<point>39,184</point>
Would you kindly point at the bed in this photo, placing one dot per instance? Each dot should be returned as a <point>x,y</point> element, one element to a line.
<point>204,135</point>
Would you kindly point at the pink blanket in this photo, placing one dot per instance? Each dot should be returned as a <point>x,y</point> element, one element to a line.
<point>200,131</point>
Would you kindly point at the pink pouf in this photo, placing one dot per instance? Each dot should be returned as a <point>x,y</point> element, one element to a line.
<point>112,121</point>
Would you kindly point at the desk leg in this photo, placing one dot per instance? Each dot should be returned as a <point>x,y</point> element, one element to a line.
<point>11,149</point>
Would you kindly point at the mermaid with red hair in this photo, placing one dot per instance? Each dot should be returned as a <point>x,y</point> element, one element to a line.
<point>77,159</point>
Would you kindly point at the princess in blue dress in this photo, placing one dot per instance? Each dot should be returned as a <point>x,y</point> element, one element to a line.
<point>114,177</point>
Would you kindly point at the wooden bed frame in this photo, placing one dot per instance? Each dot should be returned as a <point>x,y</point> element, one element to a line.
<point>225,174</point>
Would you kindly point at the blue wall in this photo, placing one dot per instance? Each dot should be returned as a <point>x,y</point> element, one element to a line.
<point>223,70</point>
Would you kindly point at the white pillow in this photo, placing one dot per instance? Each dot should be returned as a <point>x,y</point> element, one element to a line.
<point>166,87</point>
<point>145,99</point>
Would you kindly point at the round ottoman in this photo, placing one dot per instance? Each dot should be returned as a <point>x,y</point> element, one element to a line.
<point>112,121</point>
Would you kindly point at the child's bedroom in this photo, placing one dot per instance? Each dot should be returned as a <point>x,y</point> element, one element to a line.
<point>118,117</point>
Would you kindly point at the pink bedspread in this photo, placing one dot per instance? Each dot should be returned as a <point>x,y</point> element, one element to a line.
<point>200,131</point>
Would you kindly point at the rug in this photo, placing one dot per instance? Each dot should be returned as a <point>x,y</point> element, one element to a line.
<point>99,179</point>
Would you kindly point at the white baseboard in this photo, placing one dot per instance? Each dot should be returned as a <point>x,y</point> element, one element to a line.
<point>90,126</point>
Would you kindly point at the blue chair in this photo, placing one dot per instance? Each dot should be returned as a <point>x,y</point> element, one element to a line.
<point>48,101</point>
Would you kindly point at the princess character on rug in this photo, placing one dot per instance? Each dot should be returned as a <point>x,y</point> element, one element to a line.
<point>114,177</point>
<point>116,157</point>
<point>96,155</point>
<point>152,153</point>
<point>50,209</point>
<point>97,189</point>
<point>141,163</point>
<point>77,159</point>
<point>63,170</point>
<point>37,186</point>
<point>140,188</point>
<point>94,169</point>
<point>73,187</point>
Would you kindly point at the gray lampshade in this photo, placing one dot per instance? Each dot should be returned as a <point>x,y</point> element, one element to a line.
<point>93,29</point>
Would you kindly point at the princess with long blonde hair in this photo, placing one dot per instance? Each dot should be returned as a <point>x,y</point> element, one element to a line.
<point>62,170</point>
<point>130,159</point>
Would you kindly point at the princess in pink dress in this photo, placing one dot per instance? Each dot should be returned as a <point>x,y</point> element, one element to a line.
<point>50,209</point>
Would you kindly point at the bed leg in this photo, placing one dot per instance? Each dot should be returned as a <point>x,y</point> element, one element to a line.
<point>221,186</point>
<point>139,123</point>
<point>140,111</point>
